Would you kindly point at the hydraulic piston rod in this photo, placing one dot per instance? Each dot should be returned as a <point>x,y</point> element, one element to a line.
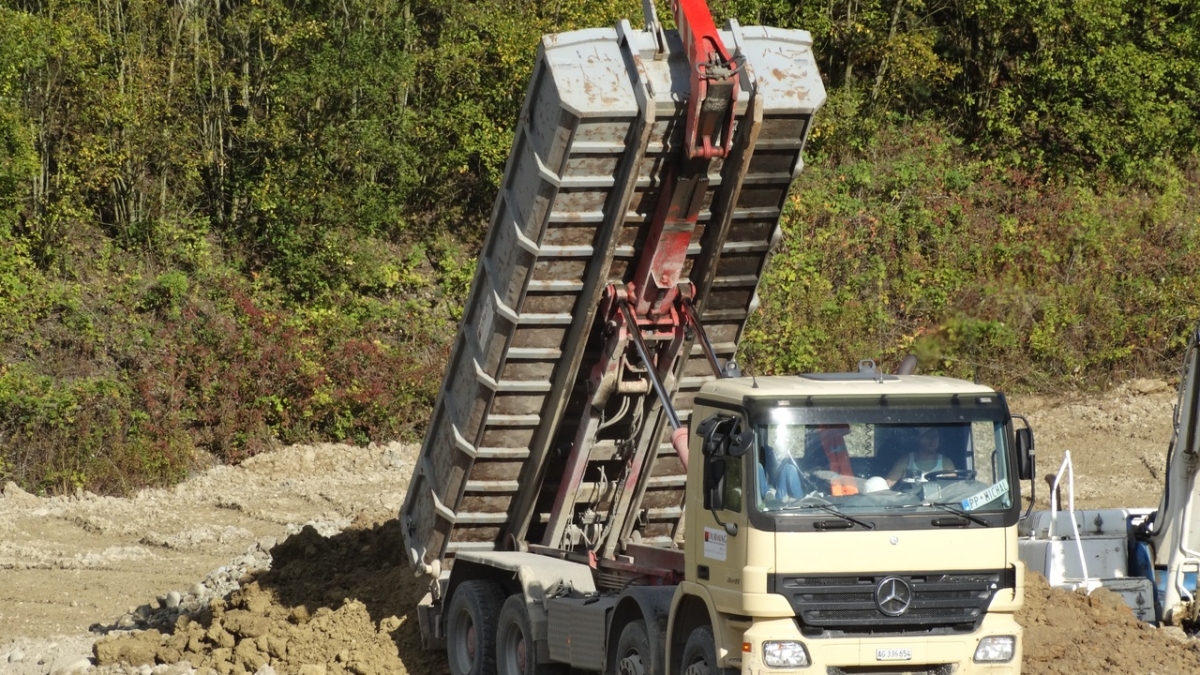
<point>679,436</point>
<point>690,312</point>
<point>655,380</point>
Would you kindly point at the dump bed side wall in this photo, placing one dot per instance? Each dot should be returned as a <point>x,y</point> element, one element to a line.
<point>600,122</point>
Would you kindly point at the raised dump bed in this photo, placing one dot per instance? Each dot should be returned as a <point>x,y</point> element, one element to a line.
<point>600,130</point>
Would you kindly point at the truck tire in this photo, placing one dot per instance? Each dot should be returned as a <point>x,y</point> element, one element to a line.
<point>633,651</point>
<point>700,653</point>
<point>516,653</point>
<point>471,621</point>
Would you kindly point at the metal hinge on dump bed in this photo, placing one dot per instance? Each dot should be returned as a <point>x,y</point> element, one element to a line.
<point>622,210</point>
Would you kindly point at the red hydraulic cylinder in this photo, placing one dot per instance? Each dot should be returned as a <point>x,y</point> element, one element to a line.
<point>709,130</point>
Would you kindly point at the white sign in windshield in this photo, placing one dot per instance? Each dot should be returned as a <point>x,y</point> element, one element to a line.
<point>979,499</point>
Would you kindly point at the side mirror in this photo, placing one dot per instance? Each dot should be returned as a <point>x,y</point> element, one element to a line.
<point>714,483</point>
<point>715,433</point>
<point>1025,451</point>
<point>724,441</point>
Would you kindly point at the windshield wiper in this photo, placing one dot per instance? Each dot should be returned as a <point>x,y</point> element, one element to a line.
<point>829,508</point>
<point>950,506</point>
<point>945,506</point>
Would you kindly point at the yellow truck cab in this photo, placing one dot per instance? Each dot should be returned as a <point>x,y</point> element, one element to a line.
<point>841,520</point>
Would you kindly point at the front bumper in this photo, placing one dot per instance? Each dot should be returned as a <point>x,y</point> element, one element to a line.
<point>935,654</point>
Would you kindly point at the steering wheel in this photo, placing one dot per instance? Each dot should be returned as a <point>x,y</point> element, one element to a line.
<point>954,474</point>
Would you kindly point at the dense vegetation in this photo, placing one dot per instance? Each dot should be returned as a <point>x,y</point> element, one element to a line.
<point>240,222</point>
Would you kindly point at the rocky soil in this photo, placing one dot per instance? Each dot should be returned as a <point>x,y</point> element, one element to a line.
<point>291,563</point>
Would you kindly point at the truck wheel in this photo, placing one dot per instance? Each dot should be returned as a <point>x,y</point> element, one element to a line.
<point>700,653</point>
<point>633,650</point>
<point>515,651</point>
<point>471,622</point>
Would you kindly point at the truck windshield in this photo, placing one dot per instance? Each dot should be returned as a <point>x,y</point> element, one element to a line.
<point>883,459</point>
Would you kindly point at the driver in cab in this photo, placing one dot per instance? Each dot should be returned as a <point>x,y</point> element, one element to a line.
<point>914,465</point>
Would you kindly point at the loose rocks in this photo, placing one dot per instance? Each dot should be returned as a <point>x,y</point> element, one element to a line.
<point>71,665</point>
<point>328,605</point>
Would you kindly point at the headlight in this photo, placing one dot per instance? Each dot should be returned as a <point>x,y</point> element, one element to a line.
<point>995,649</point>
<point>785,654</point>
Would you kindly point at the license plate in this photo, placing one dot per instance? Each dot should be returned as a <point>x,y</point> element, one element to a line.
<point>893,654</point>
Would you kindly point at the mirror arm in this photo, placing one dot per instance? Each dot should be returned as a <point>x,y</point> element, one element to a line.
<point>730,528</point>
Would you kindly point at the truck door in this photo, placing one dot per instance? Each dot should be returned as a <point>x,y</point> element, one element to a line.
<point>720,527</point>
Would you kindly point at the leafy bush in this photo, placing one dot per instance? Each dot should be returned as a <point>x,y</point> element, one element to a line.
<point>982,269</point>
<point>226,225</point>
<point>222,374</point>
<point>67,435</point>
<point>240,377</point>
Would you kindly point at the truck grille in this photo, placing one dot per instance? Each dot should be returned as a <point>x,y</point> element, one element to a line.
<point>852,603</point>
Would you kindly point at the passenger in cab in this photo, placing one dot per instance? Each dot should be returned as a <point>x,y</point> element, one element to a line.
<point>778,475</point>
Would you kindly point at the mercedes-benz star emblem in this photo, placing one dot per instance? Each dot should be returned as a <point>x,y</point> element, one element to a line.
<point>893,596</point>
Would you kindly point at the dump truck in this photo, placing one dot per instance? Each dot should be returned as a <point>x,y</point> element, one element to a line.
<point>601,488</point>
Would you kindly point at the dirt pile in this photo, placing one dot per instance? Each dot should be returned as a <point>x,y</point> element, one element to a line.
<point>333,605</point>
<point>1074,633</point>
<point>343,604</point>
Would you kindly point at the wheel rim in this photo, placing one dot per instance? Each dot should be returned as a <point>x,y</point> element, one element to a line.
<point>514,649</point>
<point>467,646</point>
<point>697,667</point>
<point>631,664</point>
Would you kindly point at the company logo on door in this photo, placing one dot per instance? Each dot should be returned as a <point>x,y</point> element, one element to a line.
<point>714,543</point>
